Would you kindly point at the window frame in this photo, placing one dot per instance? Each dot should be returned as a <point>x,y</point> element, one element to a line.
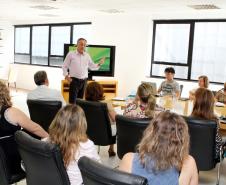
<point>191,22</point>
<point>49,40</point>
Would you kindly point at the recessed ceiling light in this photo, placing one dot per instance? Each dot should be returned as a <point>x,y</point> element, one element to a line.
<point>43,7</point>
<point>48,15</point>
<point>204,7</point>
<point>112,11</point>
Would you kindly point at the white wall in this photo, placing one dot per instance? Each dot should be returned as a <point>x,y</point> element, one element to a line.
<point>7,33</point>
<point>132,36</point>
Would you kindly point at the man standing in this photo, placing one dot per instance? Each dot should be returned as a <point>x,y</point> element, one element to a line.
<point>43,92</point>
<point>75,69</point>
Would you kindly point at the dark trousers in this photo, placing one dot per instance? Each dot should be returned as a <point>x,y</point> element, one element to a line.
<point>76,89</point>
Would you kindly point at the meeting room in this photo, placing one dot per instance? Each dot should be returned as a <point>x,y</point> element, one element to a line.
<point>118,92</point>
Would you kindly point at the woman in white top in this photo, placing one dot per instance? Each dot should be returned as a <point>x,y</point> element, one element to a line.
<point>68,131</point>
<point>203,82</point>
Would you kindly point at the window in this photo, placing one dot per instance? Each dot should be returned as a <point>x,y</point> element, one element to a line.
<point>60,36</point>
<point>82,30</point>
<point>40,36</point>
<point>209,56</point>
<point>171,43</point>
<point>22,45</point>
<point>44,44</point>
<point>192,47</point>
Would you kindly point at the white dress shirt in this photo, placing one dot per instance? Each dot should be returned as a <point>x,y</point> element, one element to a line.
<point>78,64</point>
<point>43,92</point>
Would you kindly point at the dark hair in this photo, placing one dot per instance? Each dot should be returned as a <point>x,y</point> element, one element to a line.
<point>94,92</point>
<point>204,104</point>
<point>170,70</point>
<point>40,77</point>
<point>79,39</point>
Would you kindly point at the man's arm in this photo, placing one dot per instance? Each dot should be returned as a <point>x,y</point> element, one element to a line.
<point>94,66</point>
<point>65,67</point>
<point>66,64</point>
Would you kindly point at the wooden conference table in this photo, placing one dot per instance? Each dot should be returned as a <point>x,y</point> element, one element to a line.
<point>182,107</point>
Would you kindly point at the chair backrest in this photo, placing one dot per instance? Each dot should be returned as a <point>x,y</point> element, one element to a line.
<point>12,77</point>
<point>181,89</point>
<point>98,122</point>
<point>94,173</point>
<point>43,112</point>
<point>129,133</point>
<point>10,168</point>
<point>42,161</point>
<point>202,142</point>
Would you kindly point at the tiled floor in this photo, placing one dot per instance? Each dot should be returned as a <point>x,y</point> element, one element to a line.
<point>205,178</point>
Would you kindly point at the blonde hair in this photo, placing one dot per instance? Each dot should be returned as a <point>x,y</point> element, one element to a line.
<point>205,80</point>
<point>165,141</point>
<point>5,99</point>
<point>145,93</point>
<point>68,129</point>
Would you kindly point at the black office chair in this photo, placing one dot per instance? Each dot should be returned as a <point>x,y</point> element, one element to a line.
<point>181,89</point>
<point>43,112</point>
<point>129,133</point>
<point>98,122</point>
<point>94,173</point>
<point>203,143</point>
<point>10,168</point>
<point>42,161</point>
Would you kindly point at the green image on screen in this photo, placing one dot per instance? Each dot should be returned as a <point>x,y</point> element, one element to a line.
<point>96,54</point>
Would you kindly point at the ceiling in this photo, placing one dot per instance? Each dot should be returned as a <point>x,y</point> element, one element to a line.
<point>23,10</point>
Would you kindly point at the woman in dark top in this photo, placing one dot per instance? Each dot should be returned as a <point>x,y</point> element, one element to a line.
<point>204,108</point>
<point>94,92</point>
<point>12,119</point>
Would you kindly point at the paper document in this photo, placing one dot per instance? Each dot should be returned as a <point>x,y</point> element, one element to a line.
<point>219,104</point>
<point>118,99</point>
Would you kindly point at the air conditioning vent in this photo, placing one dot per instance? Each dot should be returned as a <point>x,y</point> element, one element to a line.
<point>112,11</point>
<point>204,7</point>
<point>48,15</point>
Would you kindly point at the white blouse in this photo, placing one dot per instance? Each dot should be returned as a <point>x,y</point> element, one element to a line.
<point>87,149</point>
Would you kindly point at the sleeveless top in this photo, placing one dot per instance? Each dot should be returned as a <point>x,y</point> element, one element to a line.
<point>6,128</point>
<point>166,177</point>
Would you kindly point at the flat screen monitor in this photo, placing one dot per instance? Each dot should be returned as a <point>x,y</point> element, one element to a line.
<point>97,52</point>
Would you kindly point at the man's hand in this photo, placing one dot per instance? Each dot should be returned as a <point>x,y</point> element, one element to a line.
<point>68,78</point>
<point>102,60</point>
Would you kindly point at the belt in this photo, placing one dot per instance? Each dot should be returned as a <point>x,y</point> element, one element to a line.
<point>78,79</point>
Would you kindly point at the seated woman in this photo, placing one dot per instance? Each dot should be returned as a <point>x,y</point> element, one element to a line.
<point>68,131</point>
<point>203,82</point>
<point>221,95</point>
<point>13,119</point>
<point>204,108</point>
<point>163,153</point>
<point>144,105</point>
<point>94,92</point>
